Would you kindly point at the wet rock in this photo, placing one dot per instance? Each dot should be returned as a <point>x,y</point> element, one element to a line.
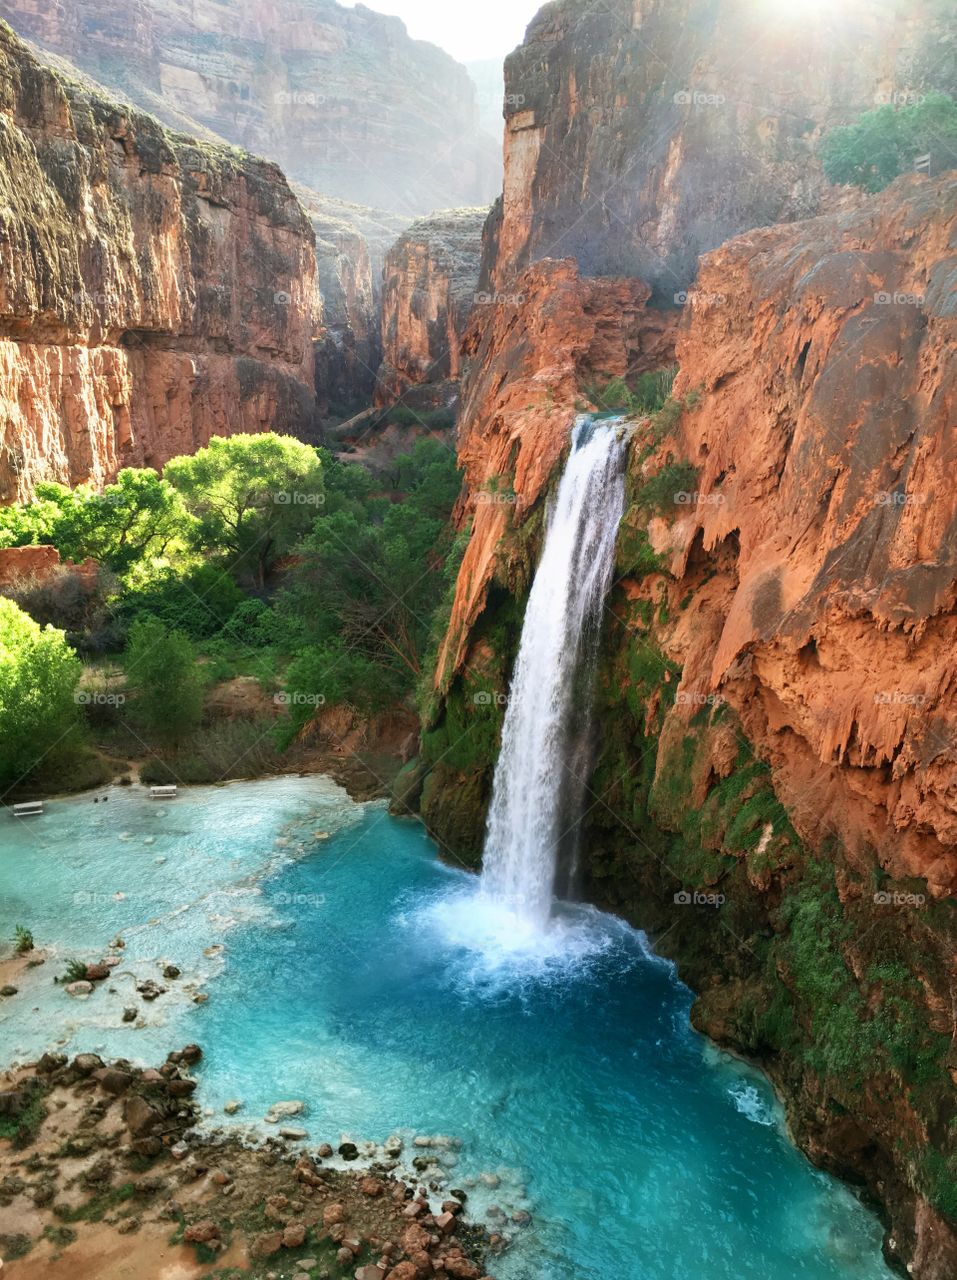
<point>232,1106</point>
<point>172,971</point>
<point>283,1110</point>
<point>79,990</point>
<point>51,1062</point>
<point>292,1134</point>
<point>521,1217</point>
<point>191,1053</point>
<point>150,990</point>
<point>204,1232</point>
<point>325,1151</point>
<point>182,1087</point>
<point>97,972</point>
<point>349,1151</point>
<point>491,1180</point>
<point>8,990</point>
<point>130,1014</point>
<point>86,1063</point>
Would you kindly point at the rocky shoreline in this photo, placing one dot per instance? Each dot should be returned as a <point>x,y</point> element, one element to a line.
<point>106,1167</point>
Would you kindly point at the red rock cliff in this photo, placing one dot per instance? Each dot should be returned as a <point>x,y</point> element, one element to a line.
<point>641,133</point>
<point>153,292</point>
<point>430,285</point>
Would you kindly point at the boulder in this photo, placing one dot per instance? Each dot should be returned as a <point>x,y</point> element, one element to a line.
<point>8,990</point>
<point>141,1119</point>
<point>371,1187</point>
<point>232,1106</point>
<point>204,1232</point>
<point>294,1236</point>
<point>87,1063</point>
<point>333,1213</point>
<point>51,1062</point>
<point>12,1102</point>
<point>79,990</point>
<point>172,971</point>
<point>182,1087</point>
<point>265,1246</point>
<point>97,972</point>
<point>112,1080</point>
<point>349,1151</point>
<point>130,1014</point>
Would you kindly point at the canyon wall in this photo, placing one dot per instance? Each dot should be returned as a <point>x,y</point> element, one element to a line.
<point>429,287</point>
<point>641,133</point>
<point>341,98</point>
<point>773,794</point>
<point>153,291</point>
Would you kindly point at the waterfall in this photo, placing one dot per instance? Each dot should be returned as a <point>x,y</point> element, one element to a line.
<point>541,773</point>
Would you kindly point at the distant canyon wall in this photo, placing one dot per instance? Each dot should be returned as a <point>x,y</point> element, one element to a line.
<point>341,98</point>
<point>153,292</point>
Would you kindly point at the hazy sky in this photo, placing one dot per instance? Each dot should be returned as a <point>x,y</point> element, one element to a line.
<point>470,32</point>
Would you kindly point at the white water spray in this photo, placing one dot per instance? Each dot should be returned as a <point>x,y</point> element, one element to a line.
<point>539,780</point>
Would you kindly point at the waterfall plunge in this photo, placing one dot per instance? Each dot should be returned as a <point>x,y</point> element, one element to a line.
<point>541,773</point>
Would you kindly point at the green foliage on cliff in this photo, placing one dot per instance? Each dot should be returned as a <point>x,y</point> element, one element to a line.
<point>884,143</point>
<point>672,489</point>
<point>646,394</point>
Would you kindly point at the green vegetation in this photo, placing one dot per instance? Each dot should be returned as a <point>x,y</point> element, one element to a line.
<point>673,487</point>
<point>259,557</point>
<point>253,497</point>
<point>39,718</point>
<point>647,394</point>
<point>21,1129</point>
<point>884,143</point>
<point>166,683</point>
<point>22,939</point>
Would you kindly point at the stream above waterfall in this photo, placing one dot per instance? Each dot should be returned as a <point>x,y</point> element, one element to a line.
<point>360,974</point>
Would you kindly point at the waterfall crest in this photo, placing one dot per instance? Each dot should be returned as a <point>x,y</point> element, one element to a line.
<point>540,776</point>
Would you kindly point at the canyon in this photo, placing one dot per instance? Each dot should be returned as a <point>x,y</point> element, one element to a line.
<point>154,292</point>
<point>341,98</point>
<point>770,792</point>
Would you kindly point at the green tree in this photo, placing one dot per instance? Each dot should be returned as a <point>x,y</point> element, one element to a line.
<point>884,143</point>
<point>39,716</point>
<point>167,683</point>
<point>133,521</point>
<point>252,496</point>
<point>371,572</point>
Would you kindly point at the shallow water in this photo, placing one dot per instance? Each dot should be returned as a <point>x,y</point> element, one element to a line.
<point>363,976</point>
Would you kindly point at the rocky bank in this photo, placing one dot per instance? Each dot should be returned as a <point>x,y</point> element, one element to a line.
<point>105,1171</point>
<point>154,291</point>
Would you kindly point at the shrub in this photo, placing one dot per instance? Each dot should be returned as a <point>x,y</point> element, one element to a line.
<point>23,939</point>
<point>669,489</point>
<point>884,143</point>
<point>39,717</point>
<point>165,680</point>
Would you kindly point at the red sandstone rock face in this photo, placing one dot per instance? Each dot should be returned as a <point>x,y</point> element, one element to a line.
<point>528,355</point>
<point>342,98</point>
<point>826,435</point>
<point>153,293</point>
<point>641,133</point>
<point>430,286</point>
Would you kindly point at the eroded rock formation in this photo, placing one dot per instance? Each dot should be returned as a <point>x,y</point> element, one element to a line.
<point>342,98</point>
<point>430,286</point>
<point>641,133</point>
<point>153,292</point>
